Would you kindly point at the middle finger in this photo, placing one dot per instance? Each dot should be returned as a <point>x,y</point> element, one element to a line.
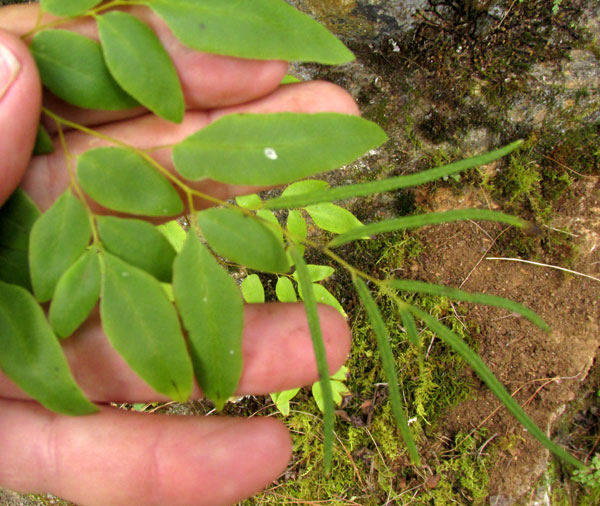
<point>47,177</point>
<point>277,351</point>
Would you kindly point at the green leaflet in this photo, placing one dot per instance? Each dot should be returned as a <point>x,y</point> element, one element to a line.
<point>282,400</point>
<point>243,240</point>
<point>477,298</point>
<point>58,238</point>
<point>141,65</point>
<point>212,311</point>
<point>393,183</point>
<point>76,294</point>
<point>296,225</point>
<point>284,290</point>
<point>175,233</point>
<point>323,296</point>
<point>253,290</point>
<point>421,220</point>
<point>17,216</point>
<point>251,201</point>
<point>32,357</point>
<point>333,218</point>
<point>300,187</point>
<point>312,315</point>
<point>142,325</point>
<point>124,181</point>
<point>338,388</point>
<point>138,243</point>
<point>43,143</point>
<point>14,267</point>
<point>270,220</point>
<point>471,358</point>
<point>68,7</point>
<point>326,216</point>
<point>389,367</point>
<point>72,67</point>
<point>317,272</point>
<point>289,79</point>
<point>260,29</point>
<point>270,149</point>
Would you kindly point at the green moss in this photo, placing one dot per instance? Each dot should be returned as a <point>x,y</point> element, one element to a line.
<point>464,472</point>
<point>392,252</point>
<point>359,473</point>
<point>47,500</point>
<point>370,460</point>
<point>540,174</point>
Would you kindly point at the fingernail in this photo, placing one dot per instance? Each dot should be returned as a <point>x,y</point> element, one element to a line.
<point>9,69</point>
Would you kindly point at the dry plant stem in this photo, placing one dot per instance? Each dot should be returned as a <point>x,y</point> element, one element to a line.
<point>482,229</point>
<point>569,168</point>
<point>291,500</point>
<point>506,14</point>
<point>562,231</point>
<point>486,442</point>
<point>351,460</point>
<point>545,265</point>
<point>591,452</point>
<point>377,448</point>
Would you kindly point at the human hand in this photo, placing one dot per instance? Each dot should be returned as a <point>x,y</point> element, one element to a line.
<point>122,458</point>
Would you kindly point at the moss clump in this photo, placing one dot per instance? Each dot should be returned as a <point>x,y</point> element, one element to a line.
<point>463,472</point>
<point>371,464</point>
<point>543,171</point>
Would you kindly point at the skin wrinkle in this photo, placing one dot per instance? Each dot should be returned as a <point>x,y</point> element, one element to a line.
<point>49,459</point>
<point>154,469</point>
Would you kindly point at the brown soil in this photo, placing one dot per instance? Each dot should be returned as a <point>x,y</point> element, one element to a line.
<point>544,371</point>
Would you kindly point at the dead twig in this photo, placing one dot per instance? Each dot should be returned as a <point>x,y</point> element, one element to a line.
<point>545,265</point>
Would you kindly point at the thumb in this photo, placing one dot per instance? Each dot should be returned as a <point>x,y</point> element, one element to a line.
<point>20,104</point>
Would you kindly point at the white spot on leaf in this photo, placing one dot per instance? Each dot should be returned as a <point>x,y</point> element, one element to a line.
<point>271,154</point>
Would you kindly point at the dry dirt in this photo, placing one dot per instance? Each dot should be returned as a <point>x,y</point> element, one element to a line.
<point>544,371</point>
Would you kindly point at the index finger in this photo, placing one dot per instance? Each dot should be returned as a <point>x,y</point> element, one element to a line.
<point>208,81</point>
